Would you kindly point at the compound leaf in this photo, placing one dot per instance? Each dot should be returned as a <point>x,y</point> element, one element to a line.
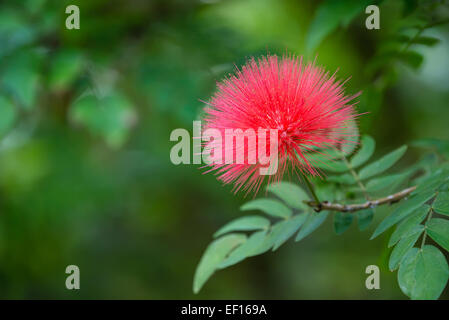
<point>365,152</point>
<point>269,206</point>
<point>290,193</point>
<point>382,164</point>
<point>215,253</point>
<point>243,224</point>
<point>438,230</point>
<point>314,220</point>
<point>406,207</point>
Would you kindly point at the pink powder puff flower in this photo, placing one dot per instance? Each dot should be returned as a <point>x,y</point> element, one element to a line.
<point>304,102</point>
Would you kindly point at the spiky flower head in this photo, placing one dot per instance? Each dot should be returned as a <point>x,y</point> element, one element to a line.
<point>306,105</point>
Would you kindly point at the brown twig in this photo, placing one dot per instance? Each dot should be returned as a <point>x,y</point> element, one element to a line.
<point>325,205</point>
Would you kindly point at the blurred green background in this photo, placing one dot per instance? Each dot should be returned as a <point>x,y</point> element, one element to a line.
<point>85,120</point>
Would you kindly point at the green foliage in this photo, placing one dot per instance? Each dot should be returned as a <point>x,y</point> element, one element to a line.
<point>287,229</point>
<point>397,46</point>
<point>417,277</point>
<point>365,152</point>
<point>244,223</point>
<point>110,117</point>
<point>409,214</point>
<point>441,204</point>
<point>370,170</point>
<point>273,234</point>
<point>385,182</point>
<point>290,193</point>
<point>314,220</point>
<point>408,225</point>
<point>382,164</point>
<point>214,255</point>
<point>8,115</point>
<point>249,248</point>
<point>20,77</point>
<point>440,146</point>
<point>404,245</point>
<point>269,206</point>
<point>342,221</point>
<point>403,210</point>
<point>65,68</point>
<point>424,273</point>
<point>364,218</point>
<point>329,16</point>
<point>438,230</point>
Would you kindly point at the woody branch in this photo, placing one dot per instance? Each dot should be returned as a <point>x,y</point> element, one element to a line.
<point>326,205</point>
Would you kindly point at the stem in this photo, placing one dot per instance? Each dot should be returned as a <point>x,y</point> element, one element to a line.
<point>423,242</point>
<point>410,42</point>
<point>356,177</point>
<point>311,189</point>
<point>318,206</point>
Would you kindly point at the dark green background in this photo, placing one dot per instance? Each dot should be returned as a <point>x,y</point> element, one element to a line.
<point>87,179</point>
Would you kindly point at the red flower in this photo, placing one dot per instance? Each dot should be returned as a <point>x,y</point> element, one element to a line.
<point>304,103</point>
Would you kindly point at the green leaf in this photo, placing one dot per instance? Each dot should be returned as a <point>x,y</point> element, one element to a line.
<point>425,163</point>
<point>406,273</point>
<point>280,232</point>
<point>386,182</point>
<point>24,85</point>
<point>382,164</point>
<point>16,30</point>
<point>441,146</point>
<point>410,6</point>
<point>433,181</point>
<point>365,152</point>
<point>364,218</point>
<point>269,240</point>
<point>411,58</point>
<point>441,203</point>
<point>404,245</point>
<point>385,57</point>
<point>398,38</point>
<point>290,193</point>
<point>408,225</point>
<point>325,191</point>
<point>342,221</point>
<point>427,41</point>
<point>423,274</point>
<point>247,249</point>
<point>347,138</point>
<point>328,161</point>
<point>438,230</point>
<point>314,220</point>
<point>65,67</point>
<point>269,206</point>
<point>343,179</point>
<point>215,253</point>
<point>405,208</point>
<point>110,117</point>
<point>329,16</point>
<point>8,115</point>
<point>244,224</point>
<point>289,227</point>
<point>21,78</point>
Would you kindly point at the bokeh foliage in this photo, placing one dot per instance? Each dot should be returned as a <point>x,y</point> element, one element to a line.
<point>85,119</point>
